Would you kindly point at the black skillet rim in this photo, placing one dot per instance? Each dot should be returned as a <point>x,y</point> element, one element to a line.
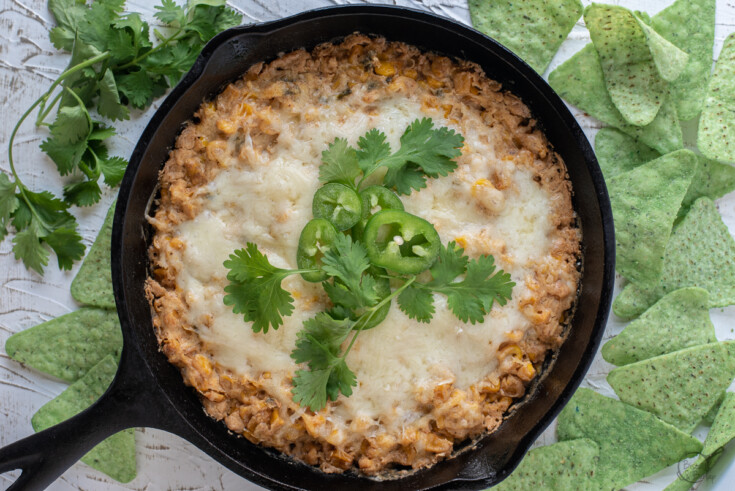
<point>409,15</point>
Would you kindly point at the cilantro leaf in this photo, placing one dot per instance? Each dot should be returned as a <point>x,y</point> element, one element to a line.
<point>310,388</point>
<point>113,169</point>
<point>347,261</point>
<point>339,163</point>
<point>83,193</point>
<point>137,87</point>
<point>67,244</point>
<point>66,156</point>
<point>8,203</point>
<point>417,303</point>
<point>68,14</point>
<point>425,151</point>
<point>373,148</point>
<point>27,246</point>
<point>72,124</point>
<point>255,289</point>
<point>320,340</point>
<point>109,104</point>
<point>430,150</point>
<point>318,345</point>
<point>451,263</point>
<point>405,179</point>
<point>169,12</point>
<point>473,297</point>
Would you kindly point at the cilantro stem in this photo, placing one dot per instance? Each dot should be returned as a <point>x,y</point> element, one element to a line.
<point>44,111</point>
<point>158,47</point>
<point>372,310</point>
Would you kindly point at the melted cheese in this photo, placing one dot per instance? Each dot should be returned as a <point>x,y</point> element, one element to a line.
<point>267,200</point>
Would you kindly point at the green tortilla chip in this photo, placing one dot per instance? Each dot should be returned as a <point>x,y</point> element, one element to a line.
<point>658,386</point>
<point>564,465</point>
<point>533,29</point>
<point>114,456</point>
<point>690,25</point>
<point>720,434</point>
<point>69,346</point>
<point>700,252</point>
<point>93,283</point>
<point>617,152</point>
<point>677,321</point>
<point>717,124</point>
<point>631,76</point>
<point>645,202</point>
<point>691,475</point>
<point>633,444</point>
<point>670,61</point>
<point>712,180</point>
<point>581,82</point>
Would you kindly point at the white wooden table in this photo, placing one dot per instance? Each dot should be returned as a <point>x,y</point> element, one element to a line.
<point>28,64</point>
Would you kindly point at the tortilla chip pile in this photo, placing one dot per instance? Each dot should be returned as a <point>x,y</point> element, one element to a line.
<point>641,76</point>
<point>533,29</point>
<point>82,348</point>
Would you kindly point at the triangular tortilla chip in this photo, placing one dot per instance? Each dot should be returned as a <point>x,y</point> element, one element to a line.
<point>670,61</point>
<point>116,455</point>
<point>677,321</point>
<point>645,202</point>
<point>69,346</point>
<point>712,180</point>
<point>633,444</point>
<point>657,385</point>
<point>563,465</point>
<point>720,434</point>
<point>700,252</point>
<point>690,25</point>
<point>631,77</point>
<point>581,82</point>
<point>93,283</point>
<point>717,124</point>
<point>617,152</point>
<point>533,29</point>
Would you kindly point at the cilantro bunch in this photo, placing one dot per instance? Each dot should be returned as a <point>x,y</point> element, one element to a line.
<point>114,66</point>
<point>358,289</point>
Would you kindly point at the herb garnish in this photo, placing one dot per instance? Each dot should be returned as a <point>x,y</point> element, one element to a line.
<point>359,288</point>
<point>114,66</point>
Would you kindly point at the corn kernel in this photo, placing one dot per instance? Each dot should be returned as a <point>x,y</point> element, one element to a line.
<point>410,73</point>
<point>176,243</point>
<point>226,126</point>
<point>434,83</point>
<point>386,69</point>
<point>527,372</point>
<point>275,417</point>
<point>203,364</point>
<point>510,350</point>
<point>245,109</point>
<point>461,241</point>
<point>478,184</point>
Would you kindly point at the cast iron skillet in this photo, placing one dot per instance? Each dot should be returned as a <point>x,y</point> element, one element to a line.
<point>148,391</point>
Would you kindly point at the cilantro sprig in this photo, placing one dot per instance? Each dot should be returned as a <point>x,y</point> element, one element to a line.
<point>114,67</point>
<point>425,152</point>
<point>359,290</point>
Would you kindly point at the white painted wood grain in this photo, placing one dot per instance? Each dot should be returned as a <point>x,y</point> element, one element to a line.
<point>28,64</point>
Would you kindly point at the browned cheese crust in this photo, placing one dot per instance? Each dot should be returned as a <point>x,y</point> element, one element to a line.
<point>329,72</point>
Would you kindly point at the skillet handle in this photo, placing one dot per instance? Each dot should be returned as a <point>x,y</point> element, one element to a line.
<point>129,402</point>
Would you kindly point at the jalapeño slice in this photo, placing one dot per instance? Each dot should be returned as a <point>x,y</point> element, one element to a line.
<point>337,203</point>
<point>316,238</point>
<point>401,242</point>
<point>375,199</point>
